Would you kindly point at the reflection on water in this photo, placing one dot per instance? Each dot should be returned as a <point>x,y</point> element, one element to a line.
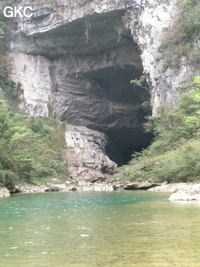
<point>98,229</point>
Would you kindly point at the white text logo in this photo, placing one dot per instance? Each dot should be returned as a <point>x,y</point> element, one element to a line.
<point>13,12</point>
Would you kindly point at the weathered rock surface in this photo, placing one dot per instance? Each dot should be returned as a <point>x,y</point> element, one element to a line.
<point>84,75</point>
<point>59,186</point>
<point>86,156</point>
<point>171,188</point>
<point>4,192</point>
<point>187,195</point>
<point>181,191</point>
<point>59,55</point>
<point>141,185</point>
<point>29,188</point>
<point>148,27</point>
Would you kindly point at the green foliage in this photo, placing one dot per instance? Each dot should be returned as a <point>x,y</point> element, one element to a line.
<point>141,82</point>
<point>179,40</point>
<point>181,123</point>
<point>30,150</point>
<point>12,92</point>
<point>174,155</point>
<point>50,109</point>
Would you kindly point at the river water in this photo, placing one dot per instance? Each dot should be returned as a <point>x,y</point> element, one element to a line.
<point>118,229</point>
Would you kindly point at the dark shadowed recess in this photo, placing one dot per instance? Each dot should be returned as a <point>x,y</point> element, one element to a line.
<point>124,127</point>
<point>122,145</point>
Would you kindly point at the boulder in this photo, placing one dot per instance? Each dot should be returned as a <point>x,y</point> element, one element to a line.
<point>191,193</point>
<point>185,196</point>
<point>29,188</point>
<point>176,187</point>
<point>4,192</point>
<point>86,156</point>
<point>144,185</point>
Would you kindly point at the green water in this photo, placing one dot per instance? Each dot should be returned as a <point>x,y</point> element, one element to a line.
<point>98,229</point>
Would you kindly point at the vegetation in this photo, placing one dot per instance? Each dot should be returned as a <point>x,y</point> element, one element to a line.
<point>180,39</point>
<point>174,155</point>
<point>30,149</point>
<point>141,82</point>
<point>11,91</point>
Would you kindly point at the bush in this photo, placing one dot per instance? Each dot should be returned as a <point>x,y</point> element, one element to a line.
<point>29,153</point>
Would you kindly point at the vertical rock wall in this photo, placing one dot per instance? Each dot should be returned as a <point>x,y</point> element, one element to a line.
<point>86,156</point>
<point>75,28</point>
<point>148,23</point>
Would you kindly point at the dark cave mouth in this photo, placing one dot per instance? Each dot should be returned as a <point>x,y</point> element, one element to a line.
<point>121,145</point>
<point>124,124</point>
<point>110,103</point>
<point>124,130</point>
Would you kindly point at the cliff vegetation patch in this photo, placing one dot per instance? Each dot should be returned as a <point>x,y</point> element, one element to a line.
<point>174,155</point>
<point>30,149</point>
<point>181,40</point>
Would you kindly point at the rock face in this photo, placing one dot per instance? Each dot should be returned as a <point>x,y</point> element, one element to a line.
<point>59,186</point>
<point>188,195</point>
<point>141,185</point>
<point>86,156</point>
<point>4,192</point>
<point>181,191</point>
<point>69,52</point>
<point>171,188</point>
<point>77,58</point>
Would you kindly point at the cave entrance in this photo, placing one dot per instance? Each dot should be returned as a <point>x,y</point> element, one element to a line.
<point>127,107</point>
<point>93,66</point>
<point>122,144</point>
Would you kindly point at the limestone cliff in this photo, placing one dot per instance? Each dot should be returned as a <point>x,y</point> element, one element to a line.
<point>86,156</point>
<point>78,58</point>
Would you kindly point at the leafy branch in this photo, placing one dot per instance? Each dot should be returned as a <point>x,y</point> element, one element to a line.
<point>141,82</point>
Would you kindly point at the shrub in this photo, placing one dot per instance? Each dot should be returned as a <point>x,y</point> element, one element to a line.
<point>28,153</point>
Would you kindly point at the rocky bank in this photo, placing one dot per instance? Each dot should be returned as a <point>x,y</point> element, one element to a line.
<point>180,191</point>
<point>184,192</point>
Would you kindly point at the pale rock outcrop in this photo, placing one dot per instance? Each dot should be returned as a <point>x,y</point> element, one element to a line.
<point>55,185</point>
<point>181,191</point>
<point>149,26</point>
<point>144,185</point>
<point>4,192</point>
<point>188,195</point>
<point>85,153</point>
<point>171,188</point>
<point>29,188</point>
<point>191,193</point>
